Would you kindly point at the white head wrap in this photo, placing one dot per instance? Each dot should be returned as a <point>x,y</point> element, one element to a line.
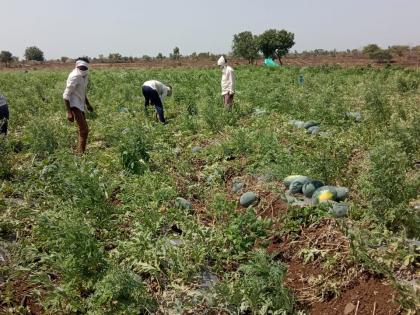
<point>221,61</point>
<point>82,63</point>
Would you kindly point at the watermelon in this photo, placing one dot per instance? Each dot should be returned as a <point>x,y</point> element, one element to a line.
<point>342,193</point>
<point>340,210</point>
<point>289,179</point>
<point>309,188</point>
<point>182,203</point>
<point>299,124</point>
<point>310,124</point>
<point>313,130</point>
<point>324,193</point>
<point>248,199</point>
<point>356,116</point>
<point>297,184</point>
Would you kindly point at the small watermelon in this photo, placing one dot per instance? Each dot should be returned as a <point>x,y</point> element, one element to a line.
<point>297,184</point>
<point>325,193</point>
<point>248,199</point>
<point>309,188</point>
<point>342,193</point>
<point>340,210</point>
<point>289,179</point>
<point>182,203</point>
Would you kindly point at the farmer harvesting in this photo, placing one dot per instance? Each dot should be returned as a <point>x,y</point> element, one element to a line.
<point>154,92</point>
<point>76,101</point>
<point>4,115</point>
<point>228,82</point>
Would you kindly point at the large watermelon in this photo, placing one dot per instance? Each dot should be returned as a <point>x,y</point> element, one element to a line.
<point>325,193</point>
<point>289,179</point>
<point>309,188</point>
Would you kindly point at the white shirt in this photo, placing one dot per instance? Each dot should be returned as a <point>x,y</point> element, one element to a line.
<point>3,100</point>
<point>159,87</point>
<point>228,80</point>
<point>75,91</point>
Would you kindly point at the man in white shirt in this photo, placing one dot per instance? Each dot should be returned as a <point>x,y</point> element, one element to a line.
<point>228,82</point>
<point>76,101</point>
<point>4,115</point>
<point>154,92</point>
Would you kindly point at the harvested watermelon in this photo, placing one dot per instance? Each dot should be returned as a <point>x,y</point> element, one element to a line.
<point>342,193</point>
<point>248,198</point>
<point>309,188</point>
<point>310,124</point>
<point>325,193</point>
<point>289,179</point>
<point>313,130</point>
<point>297,184</point>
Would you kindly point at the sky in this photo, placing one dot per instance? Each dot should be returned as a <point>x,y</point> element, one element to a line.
<point>137,27</point>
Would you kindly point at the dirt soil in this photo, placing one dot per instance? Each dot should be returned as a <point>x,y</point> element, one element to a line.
<point>316,286</point>
<point>345,60</point>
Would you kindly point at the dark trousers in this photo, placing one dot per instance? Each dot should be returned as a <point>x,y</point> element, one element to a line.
<point>152,96</point>
<point>4,118</point>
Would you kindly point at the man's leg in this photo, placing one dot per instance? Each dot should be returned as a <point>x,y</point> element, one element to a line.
<point>228,100</point>
<point>79,116</point>
<point>146,94</point>
<point>158,105</point>
<point>4,118</point>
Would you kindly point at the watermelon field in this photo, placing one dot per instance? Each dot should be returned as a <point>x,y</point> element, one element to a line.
<point>196,217</point>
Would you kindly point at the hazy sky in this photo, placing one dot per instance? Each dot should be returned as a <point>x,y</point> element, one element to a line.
<point>133,28</point>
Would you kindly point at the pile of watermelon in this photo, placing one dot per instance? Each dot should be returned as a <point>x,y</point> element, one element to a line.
<point>315,189</point>
<point>312,127</point>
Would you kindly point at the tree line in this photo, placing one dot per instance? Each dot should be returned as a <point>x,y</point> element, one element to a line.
<point>271,44</point>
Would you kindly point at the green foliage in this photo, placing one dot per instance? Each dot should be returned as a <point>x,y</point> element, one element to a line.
<point>34,53</point>
<point>6,57</point>
<point>245,45</point>
<point>5,159</point>
<point>176,55</point>
<point>120,292</point>
<point>275,42</point>
<point>370,49</point>
<point>257,288</point>
<point>100,233</point>
<point>381,56</point>
<point>134,153</point>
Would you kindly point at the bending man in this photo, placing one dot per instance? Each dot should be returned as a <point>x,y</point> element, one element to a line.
<point>76,101</point>
<point>154,92</point>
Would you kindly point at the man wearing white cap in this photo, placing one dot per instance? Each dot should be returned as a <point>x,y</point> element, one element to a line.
<point>76,101</point>
<point>228,82</point>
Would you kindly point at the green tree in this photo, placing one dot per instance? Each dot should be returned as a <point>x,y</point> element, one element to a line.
<point>160,56</point>
<point>34,53</point>
<point>370,49</point>
<point>64,59</point>
<point>399,50</point>
<point>175,54</point>
<point>115,57</point>
<point>381,56</point>
<point>6,57</point>
<point>245,45</point>
<point>275,43</point>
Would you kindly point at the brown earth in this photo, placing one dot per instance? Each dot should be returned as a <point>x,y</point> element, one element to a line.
<point>330,291</point>
<point>345,60</point>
